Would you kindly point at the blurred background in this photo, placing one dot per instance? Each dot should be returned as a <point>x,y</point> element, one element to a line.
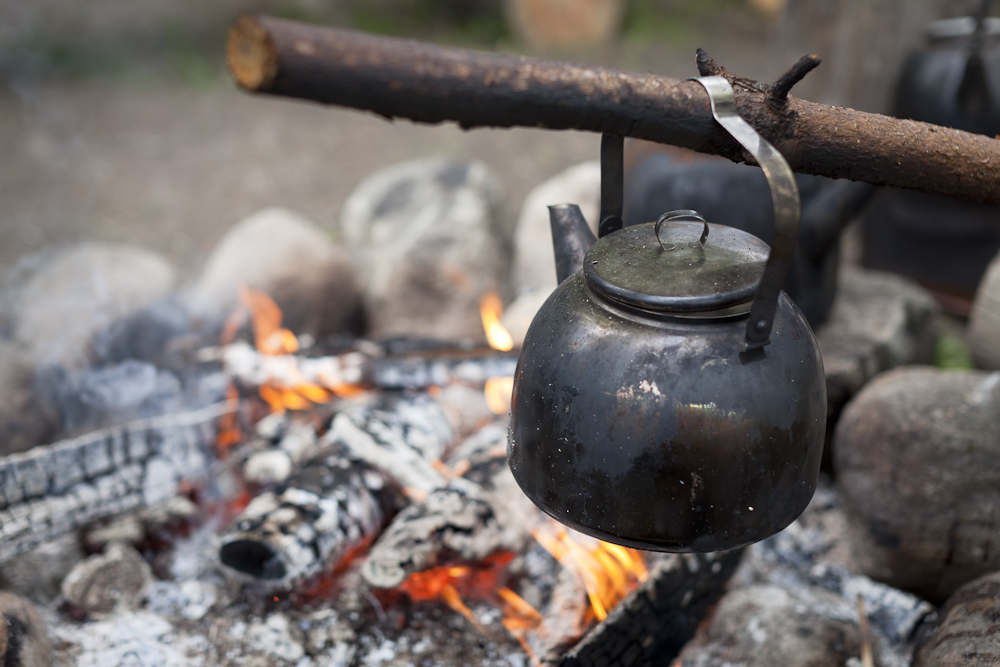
<point>119,122</point>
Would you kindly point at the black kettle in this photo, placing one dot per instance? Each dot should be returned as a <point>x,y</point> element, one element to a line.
<point>668,395</point>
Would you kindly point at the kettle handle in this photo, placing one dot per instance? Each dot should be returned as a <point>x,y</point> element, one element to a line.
<point>784,198</point>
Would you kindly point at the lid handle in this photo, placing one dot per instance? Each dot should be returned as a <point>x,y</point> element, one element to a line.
<point>684,214</point>
<point>784,198</point>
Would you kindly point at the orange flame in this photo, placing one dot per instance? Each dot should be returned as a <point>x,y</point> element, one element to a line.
<point>490,310</point>
<point>229,425</point>
<point>498,392</point>
<point>272,339</point>
<point>608,571</point>
<point>450,583</point>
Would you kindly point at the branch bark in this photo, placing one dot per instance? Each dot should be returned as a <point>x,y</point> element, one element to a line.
<point>431,84</point>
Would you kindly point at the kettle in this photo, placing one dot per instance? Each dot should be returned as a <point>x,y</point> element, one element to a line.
<point>668,396</point>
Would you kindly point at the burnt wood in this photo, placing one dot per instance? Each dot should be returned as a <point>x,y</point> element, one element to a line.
<point>431,84</point>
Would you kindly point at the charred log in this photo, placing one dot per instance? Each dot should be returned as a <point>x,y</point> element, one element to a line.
<point>464,521</point>
<point>401,436</point>
<point>339,500</point>
<point>333,504</point>
<point>441,369</point>
<point>52,489</point>
<point>654,622</point>
<point>430,84</point>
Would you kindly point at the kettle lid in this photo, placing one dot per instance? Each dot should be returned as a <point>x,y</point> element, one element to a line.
<point>666,267</point>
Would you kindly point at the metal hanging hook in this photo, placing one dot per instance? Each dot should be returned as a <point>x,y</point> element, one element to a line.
<point>784,198</point>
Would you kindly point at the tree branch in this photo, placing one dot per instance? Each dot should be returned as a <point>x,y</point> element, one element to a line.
<point>430,84</point>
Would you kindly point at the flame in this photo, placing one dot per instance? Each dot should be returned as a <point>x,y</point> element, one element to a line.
<point>229,425</point>
<point>272,339</point>
<point>498,392</point>
<point>609,571</point>
<point>450,583</point>
<point>490,310</point>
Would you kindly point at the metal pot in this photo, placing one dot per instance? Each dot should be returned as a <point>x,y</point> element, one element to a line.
<point>668,395</point>
<point>954,80</point>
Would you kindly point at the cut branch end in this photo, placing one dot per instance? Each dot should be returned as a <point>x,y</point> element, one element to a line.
<point>251,55</point>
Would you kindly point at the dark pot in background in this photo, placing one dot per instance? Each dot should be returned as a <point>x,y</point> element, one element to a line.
<point>943,243</point>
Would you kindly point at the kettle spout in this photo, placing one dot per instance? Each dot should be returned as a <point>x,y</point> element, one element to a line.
<point>571,237</point>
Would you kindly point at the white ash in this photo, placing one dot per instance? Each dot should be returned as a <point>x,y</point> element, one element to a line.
<point>138,639</point>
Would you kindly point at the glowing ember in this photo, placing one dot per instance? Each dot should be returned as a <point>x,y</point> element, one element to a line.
<point>229,425</point>
<point>608,571</point>
<point>498,392</point>
<point>490,310</point>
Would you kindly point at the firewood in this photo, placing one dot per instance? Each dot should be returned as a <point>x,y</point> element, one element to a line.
<point>654,622</point>
<point>339,499</point>
<point>369,368</point>
<point>52,489</point>
<point>467,520</point>
<point>331,506</point>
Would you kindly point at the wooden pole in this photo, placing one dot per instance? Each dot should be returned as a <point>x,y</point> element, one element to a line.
<point>407,79</point>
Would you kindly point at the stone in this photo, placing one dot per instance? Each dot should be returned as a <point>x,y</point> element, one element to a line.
<point>280,252</point>
<point>517,317</point>
<point>38,574</point>
<point>271,466</point>
<point>878,321</point>
<point>126,528</point>
<point>967,632</point>
<point>984,321</point>
<point>26,419</point>
<point>429,240</point>
<point>917,458</point>
<point>117,579</point>
<point>766,625</point>
<point>59,300</point>
<point>565,23</point>
<point>534,263</point>
<point>24,640</point>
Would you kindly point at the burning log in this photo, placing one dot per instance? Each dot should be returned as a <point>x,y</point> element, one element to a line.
<point>402,436</point>
<point>369,368</point>
<point>340,499</point>
<point>430,84</point>
<point>52,489</point>
<point>333,505</point>
<point>653,623</point>
<point>464,521</point>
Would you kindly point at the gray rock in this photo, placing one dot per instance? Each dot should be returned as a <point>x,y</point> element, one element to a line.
<point>534,263</point>
<point>24,640</point>
<point>767,625</point>
<point>984,321</point>
<point>59,300</point>
<point>967,632</point>
<point>517,317</point>
<point>878,321</point>
<point>38,574</point>
<point>285,255</point>
<point>430,242</point>
<point>917,455</point>
<point>26,420</point>
<point>117,579</point>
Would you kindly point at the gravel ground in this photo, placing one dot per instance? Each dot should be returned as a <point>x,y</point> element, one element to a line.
<point>170,162</point>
